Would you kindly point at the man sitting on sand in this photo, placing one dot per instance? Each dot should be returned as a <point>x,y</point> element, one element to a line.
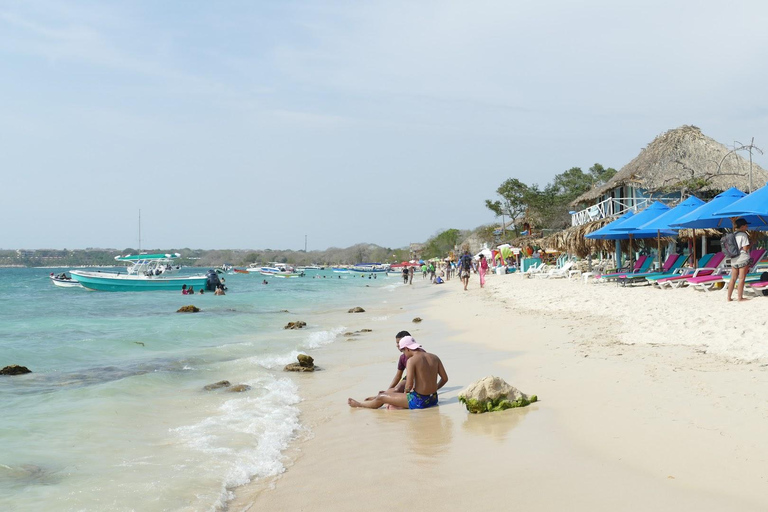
<point>421,380</point>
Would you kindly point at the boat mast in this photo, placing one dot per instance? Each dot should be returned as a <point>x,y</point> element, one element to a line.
<point>139,230</point>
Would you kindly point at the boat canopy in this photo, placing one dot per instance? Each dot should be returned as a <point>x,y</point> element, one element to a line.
<point>138,257</point>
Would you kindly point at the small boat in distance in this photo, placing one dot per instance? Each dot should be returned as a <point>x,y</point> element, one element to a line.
<point>64,281</point>
<point>369,267</point>
<point>147,272</point>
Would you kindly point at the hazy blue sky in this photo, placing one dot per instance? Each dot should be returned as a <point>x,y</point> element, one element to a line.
<point>251,124</point>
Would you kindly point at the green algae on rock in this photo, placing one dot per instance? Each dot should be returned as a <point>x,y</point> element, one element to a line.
<point>493,394</point>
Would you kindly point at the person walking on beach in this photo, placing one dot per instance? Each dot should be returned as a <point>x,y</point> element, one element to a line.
<point>465,265</point>
<point>410,275</point>
<point>405,275</point>
<point>741,263</point>
<point>421,380</point>
<point>482,268</point>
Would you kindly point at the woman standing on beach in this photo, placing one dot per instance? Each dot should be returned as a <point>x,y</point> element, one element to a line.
<point>482,268</point>
<point>741,263</point>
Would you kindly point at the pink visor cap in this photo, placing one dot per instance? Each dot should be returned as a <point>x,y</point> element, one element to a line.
<point>408,342</point>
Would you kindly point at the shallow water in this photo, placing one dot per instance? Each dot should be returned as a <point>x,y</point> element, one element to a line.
<point>114,416</point>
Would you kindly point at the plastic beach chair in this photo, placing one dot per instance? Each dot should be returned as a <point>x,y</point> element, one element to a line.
<point>708,265</point>
<point>641,265</point>
<point>672,263</point>
<point>707,283</point>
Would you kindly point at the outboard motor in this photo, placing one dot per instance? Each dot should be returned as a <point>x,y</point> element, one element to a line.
<point>212,281</point>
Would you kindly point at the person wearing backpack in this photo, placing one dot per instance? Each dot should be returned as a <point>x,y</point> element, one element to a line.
<point>741,263</point>
<point>465,265</point>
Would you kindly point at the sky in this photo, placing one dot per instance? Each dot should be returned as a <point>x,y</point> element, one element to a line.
<point>252,124</point>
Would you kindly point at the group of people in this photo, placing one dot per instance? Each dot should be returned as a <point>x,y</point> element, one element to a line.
<point>424,376</point>
<point>191,290</point>
<point>467,266</point>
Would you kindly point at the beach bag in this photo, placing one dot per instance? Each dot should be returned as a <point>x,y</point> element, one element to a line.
<point>729,246</point>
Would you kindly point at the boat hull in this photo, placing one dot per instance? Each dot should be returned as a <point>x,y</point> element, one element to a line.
<point>107,282</point>
<point>66,283</point>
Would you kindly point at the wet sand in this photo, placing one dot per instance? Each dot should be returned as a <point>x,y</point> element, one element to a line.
<point>621,424</point>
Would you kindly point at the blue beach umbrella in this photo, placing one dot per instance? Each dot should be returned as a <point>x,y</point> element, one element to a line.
<point>754,208</point>
<point>633,226</point>
<point>605,233</point>
<point>664,221</point>
<point>705,216</point>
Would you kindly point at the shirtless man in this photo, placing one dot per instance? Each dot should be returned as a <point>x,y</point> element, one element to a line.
<point>421,381</point>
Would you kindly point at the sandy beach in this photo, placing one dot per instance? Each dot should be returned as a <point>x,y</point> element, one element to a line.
<point>649,400</point>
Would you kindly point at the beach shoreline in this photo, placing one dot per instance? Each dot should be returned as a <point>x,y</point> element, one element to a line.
<point>624,422</point>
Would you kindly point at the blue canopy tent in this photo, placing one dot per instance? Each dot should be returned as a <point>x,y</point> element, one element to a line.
<point>664,221</point>
<point>753,208</point>
<point>633,225</point>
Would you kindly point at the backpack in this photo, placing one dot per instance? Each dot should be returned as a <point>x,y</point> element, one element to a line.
<point>466,262</point>
<point>729,246</point>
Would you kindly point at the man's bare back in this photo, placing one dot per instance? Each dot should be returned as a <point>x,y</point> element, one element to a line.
<point>421,381</point>
<point>423,368</point>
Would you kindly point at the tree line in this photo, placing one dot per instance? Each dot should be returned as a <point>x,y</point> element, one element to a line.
<point>548,207</point>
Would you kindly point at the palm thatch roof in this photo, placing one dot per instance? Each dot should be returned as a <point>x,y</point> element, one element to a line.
<point>681,158</point>
<point>573,241</point>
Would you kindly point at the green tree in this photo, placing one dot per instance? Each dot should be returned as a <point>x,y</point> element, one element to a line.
<point>441,244</point>
<point>513,204</point>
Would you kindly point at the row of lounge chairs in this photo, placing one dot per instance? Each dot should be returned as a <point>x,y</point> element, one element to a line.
<point>713,269</point>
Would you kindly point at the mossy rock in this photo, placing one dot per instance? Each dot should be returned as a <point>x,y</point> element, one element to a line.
<point>295,325</point>
<point>499,404</point>
<point>305,360</point>
<point>357,309</point>
<point>493,394</point>
<point>15,369</point>
<point>366,330</point>
<point>416,320</point>
<point>296,367</point>
<point>188,309</point>
<point>217,385</point>
<point>239,388</point>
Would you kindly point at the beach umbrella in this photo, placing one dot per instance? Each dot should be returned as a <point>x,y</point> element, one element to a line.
<point>664,221</point>
<point>633,225</point>
<point>605,232</point>
<point>705,216</point>
<point>753,207</point>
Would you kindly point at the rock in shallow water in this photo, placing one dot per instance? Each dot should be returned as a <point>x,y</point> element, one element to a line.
<point>188,309</point>
<point>217,385</point>
<point>295,325</point>
<point>239,388</point>
<point>306,364</point>
<point>493,394</point>
<point>356,309</point>
<point>15,369</point>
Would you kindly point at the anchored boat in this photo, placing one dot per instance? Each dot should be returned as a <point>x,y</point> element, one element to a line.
<point>146,272</point>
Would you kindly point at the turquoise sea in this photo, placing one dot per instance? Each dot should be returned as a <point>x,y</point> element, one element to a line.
<point>114,415</point>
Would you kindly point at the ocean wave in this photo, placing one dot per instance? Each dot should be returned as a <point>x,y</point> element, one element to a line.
<point>320,338</point>
<point>245,439</point>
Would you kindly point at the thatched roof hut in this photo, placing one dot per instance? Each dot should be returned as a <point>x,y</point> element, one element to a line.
<point>681,157</point>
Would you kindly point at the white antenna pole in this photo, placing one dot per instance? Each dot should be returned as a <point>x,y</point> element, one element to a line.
<point>305,243</point>
<point>139,229</point>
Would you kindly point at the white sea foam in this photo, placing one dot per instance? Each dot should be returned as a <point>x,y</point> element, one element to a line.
<point>246,437</point>
<point>320,338</point>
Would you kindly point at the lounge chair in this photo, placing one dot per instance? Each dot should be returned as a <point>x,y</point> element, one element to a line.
<point>670,265</point>
<point>557,272</point>
<point>711,282</point>
<point>641,265</point>
<point>708,265</point>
